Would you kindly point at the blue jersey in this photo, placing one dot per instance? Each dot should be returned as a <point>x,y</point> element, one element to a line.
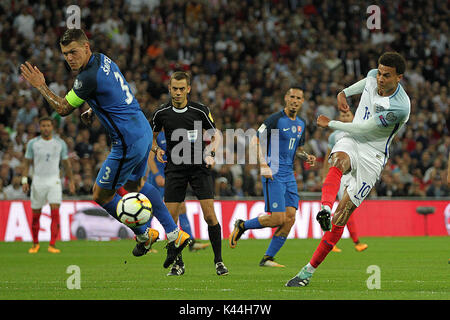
<point>280,136</point>
<point>104,88</point>
<point>101,84</point>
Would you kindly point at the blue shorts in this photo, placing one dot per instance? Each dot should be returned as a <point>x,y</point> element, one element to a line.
<point>124,164</point>
<point>279,195</point>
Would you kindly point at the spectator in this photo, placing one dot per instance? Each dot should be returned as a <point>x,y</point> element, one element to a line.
<point>223,188</point>
<point>27,111</point>
<point>2,191</point>
<point>237,52</point>
<point>238,188</point>
<point>437,188</point>
<point>14,190</point>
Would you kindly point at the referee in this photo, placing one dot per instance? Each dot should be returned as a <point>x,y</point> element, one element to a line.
<point>188,159</point>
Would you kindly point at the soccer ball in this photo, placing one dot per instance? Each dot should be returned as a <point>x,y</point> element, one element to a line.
<point>134,209</point>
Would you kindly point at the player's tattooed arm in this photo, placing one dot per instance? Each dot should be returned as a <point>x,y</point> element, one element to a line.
<point>35,77</point>
<point>60,105</point>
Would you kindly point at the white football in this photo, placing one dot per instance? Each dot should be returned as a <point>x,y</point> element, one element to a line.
<point>134,209</point>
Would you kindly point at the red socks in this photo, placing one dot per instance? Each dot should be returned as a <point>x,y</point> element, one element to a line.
<point>330,187</point>
<point>329,240</point>
<point>54,227</point>
<point>352,230</point>
<point>35,226</point>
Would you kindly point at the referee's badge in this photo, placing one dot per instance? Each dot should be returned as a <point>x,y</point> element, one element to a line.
<point>192,135</point>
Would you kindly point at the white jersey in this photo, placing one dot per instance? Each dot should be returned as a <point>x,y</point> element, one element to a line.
<point>390,114</point>
<point>334,137</point>
<point>46,156</point>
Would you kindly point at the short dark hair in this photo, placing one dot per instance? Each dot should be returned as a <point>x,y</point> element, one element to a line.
<point>71,35</point>
<point>180,75</point>
<point>296,87</point>
<point>393,60</point>
<point>46,118</point>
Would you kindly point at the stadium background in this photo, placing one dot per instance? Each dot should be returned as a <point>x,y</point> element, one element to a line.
<point>243,55</point>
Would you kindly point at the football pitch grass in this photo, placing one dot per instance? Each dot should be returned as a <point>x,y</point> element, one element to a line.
<point>407,268</point>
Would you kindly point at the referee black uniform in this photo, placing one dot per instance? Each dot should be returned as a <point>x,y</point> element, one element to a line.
<point>183,128</point>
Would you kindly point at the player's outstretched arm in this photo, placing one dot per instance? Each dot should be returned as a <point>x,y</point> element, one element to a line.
<point>35,77</point>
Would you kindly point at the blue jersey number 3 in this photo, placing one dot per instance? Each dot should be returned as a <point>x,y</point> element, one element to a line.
<point>124,87</point>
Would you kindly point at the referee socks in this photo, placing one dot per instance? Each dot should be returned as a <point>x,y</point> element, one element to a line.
<point>215,237</point>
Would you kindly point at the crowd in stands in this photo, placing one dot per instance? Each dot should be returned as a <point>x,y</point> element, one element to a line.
<point>243,55</point>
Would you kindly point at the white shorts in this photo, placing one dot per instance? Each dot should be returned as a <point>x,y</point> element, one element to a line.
<point>45,190</point>
<point>366,167</point>
<point>345,180</point>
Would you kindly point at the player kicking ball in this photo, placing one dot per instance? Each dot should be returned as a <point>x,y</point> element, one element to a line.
<point>332,139</point>
<point>279,184</point>
<point>383,109</point>
<point>101,84</point>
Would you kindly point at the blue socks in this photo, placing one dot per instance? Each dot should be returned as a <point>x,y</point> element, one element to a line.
<point>159,208</point>
<point>184,223</point>
<point>275,245</point>
<point>111,206</point>
<point>252,224</point>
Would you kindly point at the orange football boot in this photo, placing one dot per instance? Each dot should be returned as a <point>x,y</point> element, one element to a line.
<point>34,248</point>
<point>52,249</point>
<point>361,247</point>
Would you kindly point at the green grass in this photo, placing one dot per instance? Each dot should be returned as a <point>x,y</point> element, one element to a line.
<point>411,268</point>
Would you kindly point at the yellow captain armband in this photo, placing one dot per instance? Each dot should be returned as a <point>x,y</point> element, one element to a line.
<point>73,99</point>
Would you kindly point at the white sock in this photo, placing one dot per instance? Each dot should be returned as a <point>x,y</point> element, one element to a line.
<point>326,208</point>
<point>172,236</point>
<point>310,268</point>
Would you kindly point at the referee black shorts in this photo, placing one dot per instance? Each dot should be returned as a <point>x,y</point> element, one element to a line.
<point>199,177</point>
